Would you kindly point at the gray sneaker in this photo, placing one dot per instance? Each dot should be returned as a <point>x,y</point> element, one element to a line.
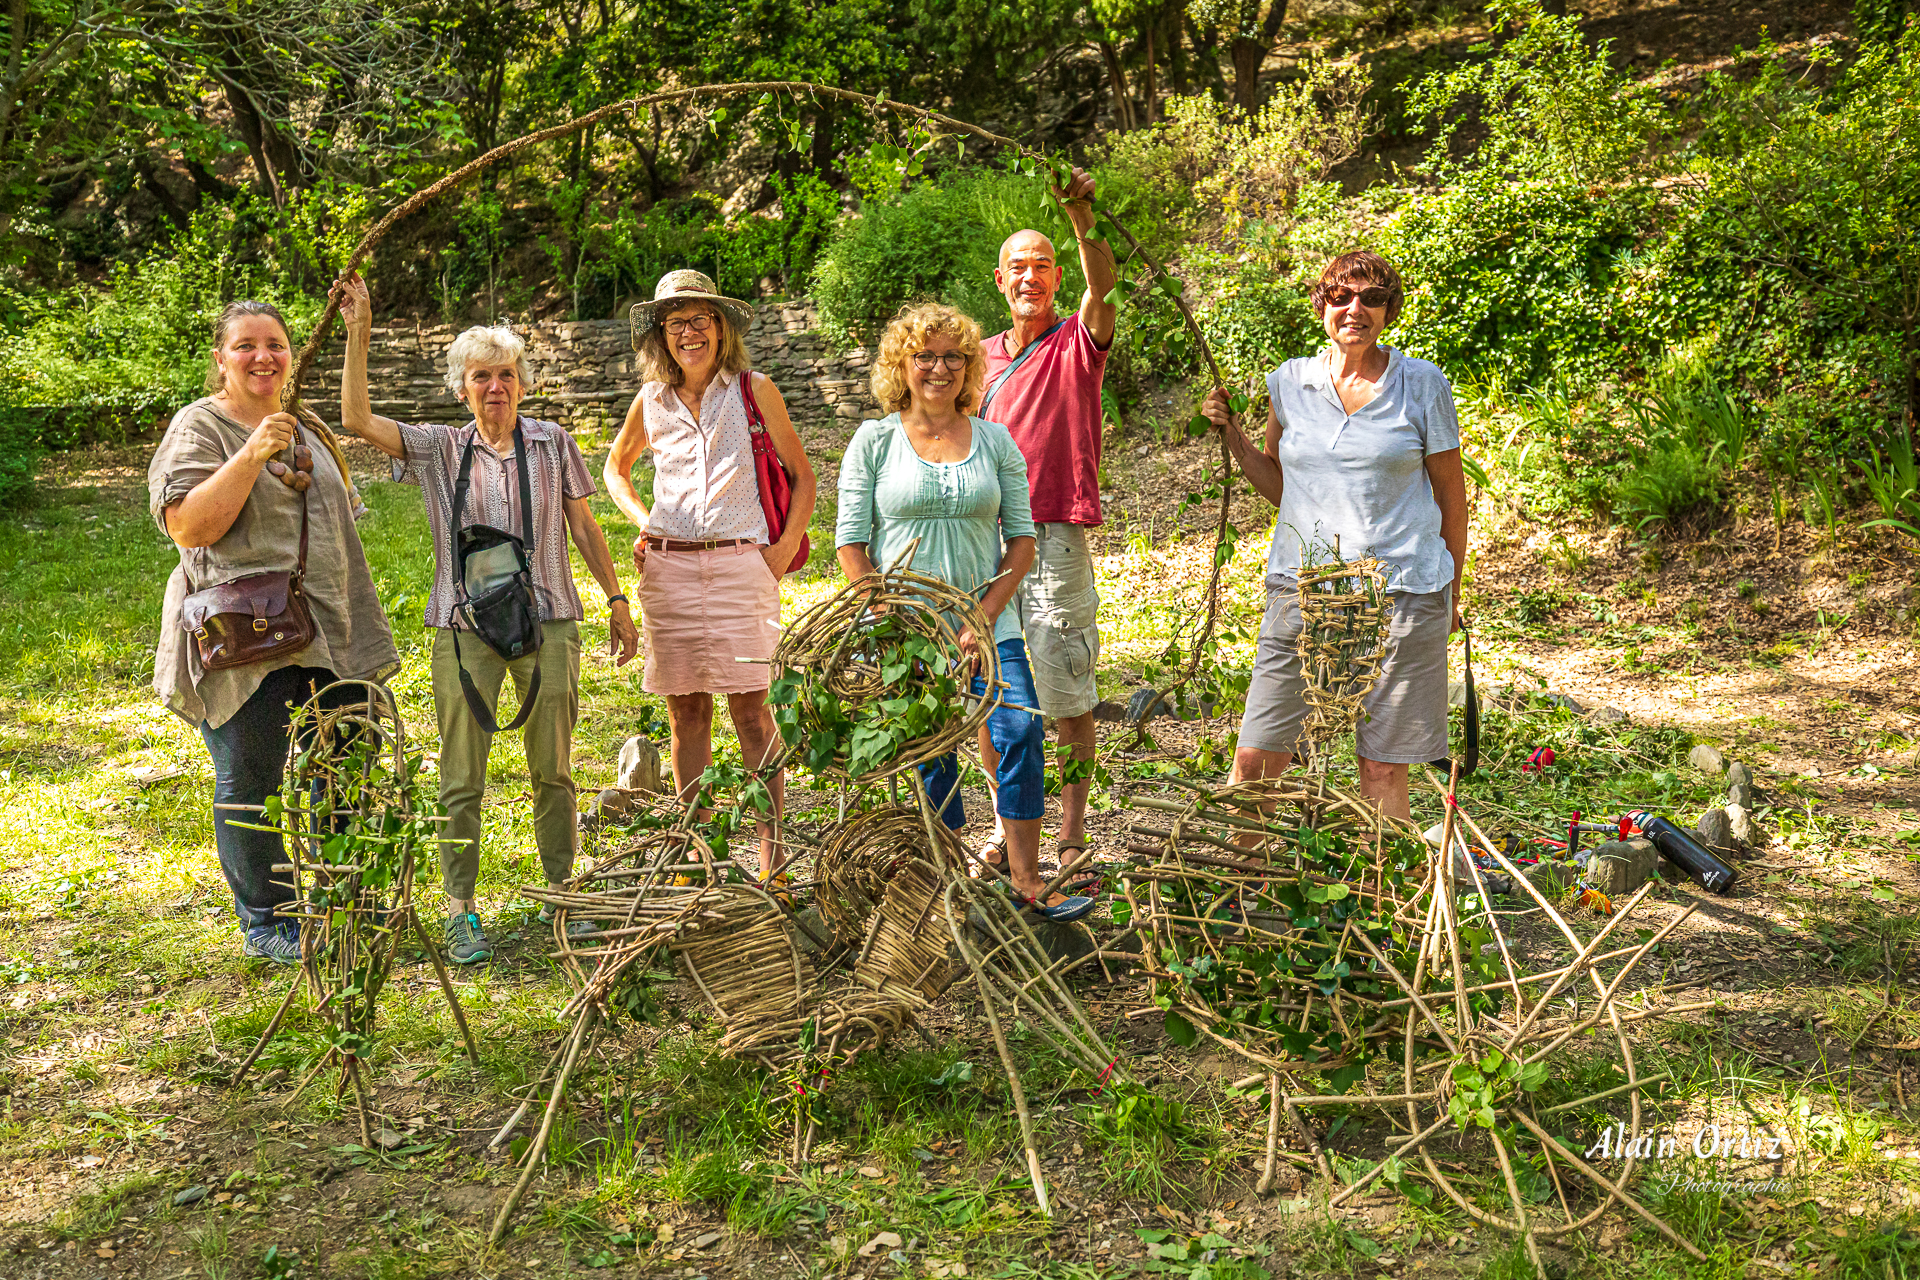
<point>466,944</point>
<point>278,942</point>
<point>576,929</point>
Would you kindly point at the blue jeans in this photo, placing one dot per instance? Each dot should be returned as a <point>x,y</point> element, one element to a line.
<point>1019,738</point>
<point>249,756</point>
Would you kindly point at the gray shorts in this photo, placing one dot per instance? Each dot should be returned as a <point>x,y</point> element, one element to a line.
<point>1057,607</point>
<point>1405,715</point>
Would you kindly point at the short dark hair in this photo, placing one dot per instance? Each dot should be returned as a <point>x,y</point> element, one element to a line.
<point>1360,267</point>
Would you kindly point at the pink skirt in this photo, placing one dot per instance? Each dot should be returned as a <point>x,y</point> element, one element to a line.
<point>701,610</point>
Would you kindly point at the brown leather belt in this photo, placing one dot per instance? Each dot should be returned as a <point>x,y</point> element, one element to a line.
<point>711,544</point>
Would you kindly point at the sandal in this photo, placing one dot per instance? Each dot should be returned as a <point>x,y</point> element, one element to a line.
<point>1085,880</point>
<point>1074,907</point>
<point>779,887</point>
<point>990,864</point>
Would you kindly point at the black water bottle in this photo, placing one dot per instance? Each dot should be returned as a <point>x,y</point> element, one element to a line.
<point>1688,854</point>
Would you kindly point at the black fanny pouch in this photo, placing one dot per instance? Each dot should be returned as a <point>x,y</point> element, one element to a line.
<point>493,574</point>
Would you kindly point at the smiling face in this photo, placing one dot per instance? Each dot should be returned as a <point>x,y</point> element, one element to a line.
<point>1354,325</point>
<point>693,348</point>
<point>934,390</point>
<point>493,393</point>
<point>1028,276</point>
<point>254,358</point>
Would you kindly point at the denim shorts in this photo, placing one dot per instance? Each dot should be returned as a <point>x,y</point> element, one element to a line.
<point>1020,783</point>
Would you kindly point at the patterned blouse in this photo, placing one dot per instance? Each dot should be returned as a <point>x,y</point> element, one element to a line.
<point>555,470</point>
<point>703,481</point>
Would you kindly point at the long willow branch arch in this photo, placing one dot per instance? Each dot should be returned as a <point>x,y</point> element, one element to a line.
<point>796,89</point>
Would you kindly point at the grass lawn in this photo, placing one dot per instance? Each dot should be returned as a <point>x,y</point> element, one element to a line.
<point>127,1006</point>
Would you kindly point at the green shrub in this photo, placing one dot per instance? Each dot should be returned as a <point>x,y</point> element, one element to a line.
<point>140,342</point>
<point>1676,487</point>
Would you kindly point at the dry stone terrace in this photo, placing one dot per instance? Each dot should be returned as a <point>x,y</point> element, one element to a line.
<point>585,372</point>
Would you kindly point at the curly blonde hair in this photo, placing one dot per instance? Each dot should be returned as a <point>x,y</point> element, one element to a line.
<point>907,333</point>
<point>656,357</point>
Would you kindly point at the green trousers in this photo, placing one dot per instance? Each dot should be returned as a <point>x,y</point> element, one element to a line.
<point>548,739</point>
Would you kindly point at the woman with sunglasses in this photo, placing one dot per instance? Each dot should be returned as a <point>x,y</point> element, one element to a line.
<point>709,572</point>
<point>957,484</point>
<point>1362,452</point>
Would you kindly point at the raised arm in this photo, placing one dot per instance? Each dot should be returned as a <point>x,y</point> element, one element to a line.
<point>356,411</point>
<point>1096,259</point>
<point>203,516</point>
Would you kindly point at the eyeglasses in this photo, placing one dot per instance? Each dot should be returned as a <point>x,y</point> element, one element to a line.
<point>954,360</point>
<point>1339,296</point>
<point>699,324</point>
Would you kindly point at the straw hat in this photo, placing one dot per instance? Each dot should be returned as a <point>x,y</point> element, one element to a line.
<point>678,287</point>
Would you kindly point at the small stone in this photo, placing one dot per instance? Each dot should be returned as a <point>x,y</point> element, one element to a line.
<point>1552,877</point>
<point>190,1195</point>
<point>1740,794</point>
<point>1716,831</point>
<point>1562,701</point>
<point>1607,715</point>
<point>1707,759</point>
<point>1739,774</point>
<point>640,765</point>
<point>1456,693</point>
<point>1618,867</point>
<point>710,1237</point>
<point>1742,828</point>
<point>274,1078</point>
<point>388,1138</point>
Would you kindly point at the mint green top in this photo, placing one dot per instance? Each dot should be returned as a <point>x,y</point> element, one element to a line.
<point>964,513</point>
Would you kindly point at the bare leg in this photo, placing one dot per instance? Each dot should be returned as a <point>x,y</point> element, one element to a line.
<point>1386,786</point>
<point>759,740</point>
<point>1023,857</point>
<point>1075,732</point>
<point>1250,764</point>
<point>691,749</point>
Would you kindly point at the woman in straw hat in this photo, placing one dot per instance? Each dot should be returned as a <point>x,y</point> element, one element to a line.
<point>709,572</point>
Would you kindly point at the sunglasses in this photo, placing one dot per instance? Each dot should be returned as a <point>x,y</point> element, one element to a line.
<point>1339,296</point>
<point>699,324</point>
<point>954,360</point>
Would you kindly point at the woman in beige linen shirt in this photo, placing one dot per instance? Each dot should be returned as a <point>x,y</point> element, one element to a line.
<point>217,486</point>
<point>710,574</point>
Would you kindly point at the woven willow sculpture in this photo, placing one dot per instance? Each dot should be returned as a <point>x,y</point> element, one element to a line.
<point>1294,925</point>
<point>355,828</point>
<point>873,679</point>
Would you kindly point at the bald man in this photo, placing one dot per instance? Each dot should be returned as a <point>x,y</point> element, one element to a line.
<point>1043,384</point>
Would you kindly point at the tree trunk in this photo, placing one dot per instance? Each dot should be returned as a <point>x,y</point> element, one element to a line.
<point>1249,52</point>
<point>1147,84</point>
<point>1122,105</point>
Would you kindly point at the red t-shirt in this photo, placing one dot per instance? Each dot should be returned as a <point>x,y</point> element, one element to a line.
<point>1051,408</point>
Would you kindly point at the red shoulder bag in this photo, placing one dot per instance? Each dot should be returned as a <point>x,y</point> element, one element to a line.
<point>776,486</point>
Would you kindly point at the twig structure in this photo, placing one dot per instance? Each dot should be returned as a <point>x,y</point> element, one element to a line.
<point>1293,924</point>
<point>355,827</point>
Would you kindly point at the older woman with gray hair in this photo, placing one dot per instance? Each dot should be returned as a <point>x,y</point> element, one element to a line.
<point>504,493</point>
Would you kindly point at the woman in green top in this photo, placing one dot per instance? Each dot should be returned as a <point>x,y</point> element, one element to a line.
<point>959,485</point>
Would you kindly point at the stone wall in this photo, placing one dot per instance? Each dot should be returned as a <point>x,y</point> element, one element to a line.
<point>585,372</point>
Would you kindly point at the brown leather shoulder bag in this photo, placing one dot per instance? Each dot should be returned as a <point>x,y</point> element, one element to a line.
<point>255,618</point>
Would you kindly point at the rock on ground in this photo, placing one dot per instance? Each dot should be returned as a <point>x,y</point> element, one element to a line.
<point>1707,759</point>
<point>640,765</point>
<point>1741,826</point>
<point>1716,832</point>
<point>1621,866</point>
